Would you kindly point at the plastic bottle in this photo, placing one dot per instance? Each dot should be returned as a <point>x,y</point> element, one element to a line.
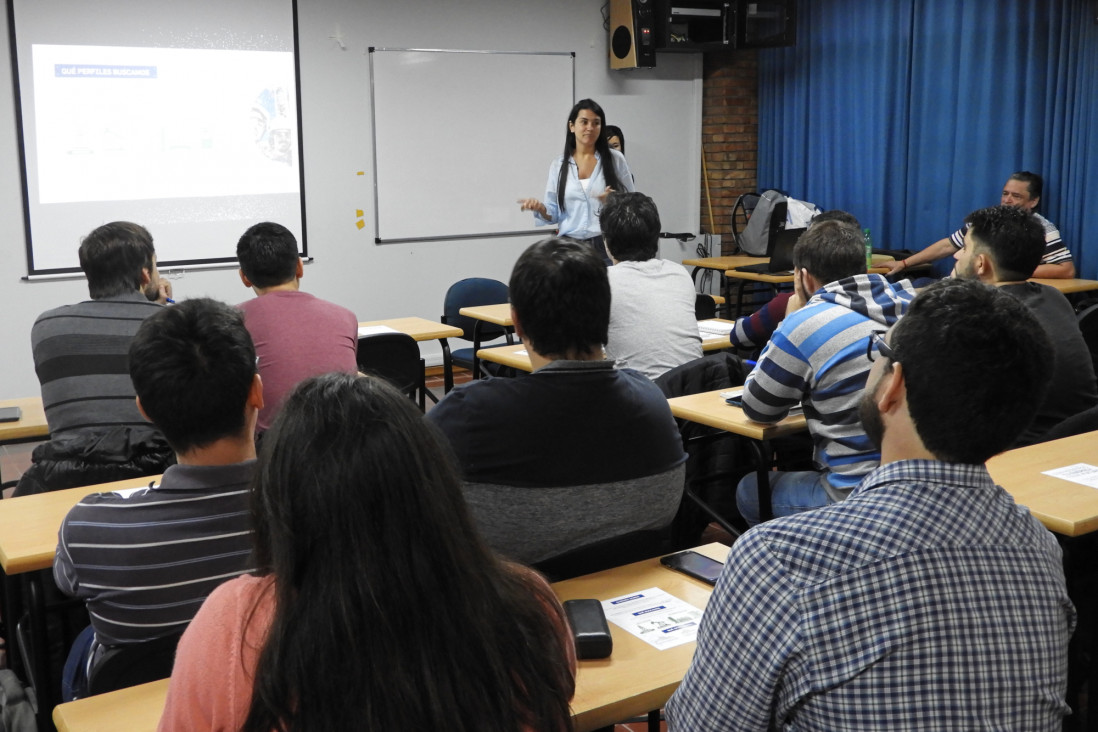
<point>868,249</point>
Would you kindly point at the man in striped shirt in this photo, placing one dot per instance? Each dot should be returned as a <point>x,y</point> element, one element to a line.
<point>817,357</point>
<point>1022,190</point>
<point>145,560</point>
<point>96,432</point>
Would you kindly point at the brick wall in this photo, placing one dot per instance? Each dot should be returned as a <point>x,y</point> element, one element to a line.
<point>730,136</point>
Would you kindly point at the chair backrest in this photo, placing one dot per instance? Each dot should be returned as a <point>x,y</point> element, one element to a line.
<point>467,293</point>
<point>394,357</point>
<point>742,210</point>
<point>715,371</point>
<point>119,667</point>
<point>1088,326</point>
<point>705,306</point>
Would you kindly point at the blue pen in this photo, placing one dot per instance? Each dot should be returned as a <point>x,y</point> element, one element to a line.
<point>169,301</point>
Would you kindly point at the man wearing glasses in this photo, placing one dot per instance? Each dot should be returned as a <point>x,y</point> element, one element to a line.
<point>927,599</point>
<point>817,357</point>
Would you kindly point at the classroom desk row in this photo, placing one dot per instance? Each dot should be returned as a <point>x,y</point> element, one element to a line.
<point>636,679</point>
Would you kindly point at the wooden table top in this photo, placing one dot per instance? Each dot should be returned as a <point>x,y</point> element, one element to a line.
<point>498,314</point>
<point>740,260</point>
<point>31,425</point>
<point>1069,509</point>
<point>634,680</point>
<point>1068,286</point>
<point>709,408</point>
<point>29,524</point>
<point>419,328</point>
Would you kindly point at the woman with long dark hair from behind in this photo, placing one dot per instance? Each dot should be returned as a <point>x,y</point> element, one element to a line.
<point>377,605</point>
<point>581,179</point>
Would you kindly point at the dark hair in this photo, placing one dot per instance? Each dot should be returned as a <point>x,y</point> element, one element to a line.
<point>561,294</point>
<point>609,173</point>
<point>192,366</point>
<point>976,366</point>
<point>1012,237</point>
<point>830,251</point>
<point>836,214</point>
<point>1033,181</point>
<point>112,257</point>
<point>268,254</point>
<point>609,131</point>
<point>630,227</point>
<point>390,613</point>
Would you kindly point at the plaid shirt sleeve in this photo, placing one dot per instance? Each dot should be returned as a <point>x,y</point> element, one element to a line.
<point>747,645</point>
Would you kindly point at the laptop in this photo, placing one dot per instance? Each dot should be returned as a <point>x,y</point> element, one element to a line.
<point>780,251</point>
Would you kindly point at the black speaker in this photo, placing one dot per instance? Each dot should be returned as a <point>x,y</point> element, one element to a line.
<point>632,34</point>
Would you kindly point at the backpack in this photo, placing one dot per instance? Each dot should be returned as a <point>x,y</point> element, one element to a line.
<point>756,235</point>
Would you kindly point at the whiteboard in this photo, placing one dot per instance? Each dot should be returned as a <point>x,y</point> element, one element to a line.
<point>460,136</point>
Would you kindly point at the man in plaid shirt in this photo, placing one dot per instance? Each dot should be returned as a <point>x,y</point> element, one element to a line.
<point>928,600</point>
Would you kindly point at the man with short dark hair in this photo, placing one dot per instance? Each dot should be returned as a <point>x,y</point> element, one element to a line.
<point>144,561</point>
<point>80,355</point>
<point>926,600</point>
<point>1003,246</point>
<point>652,323</point>
<point>817,358</point>
<point>578,451</point>
<point>296,335</point>
<point>1022,190</point>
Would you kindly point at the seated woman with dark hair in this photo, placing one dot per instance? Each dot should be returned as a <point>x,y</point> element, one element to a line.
<point>376,605</point>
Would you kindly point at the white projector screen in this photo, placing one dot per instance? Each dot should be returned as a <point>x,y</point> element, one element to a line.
<point>183,118</point>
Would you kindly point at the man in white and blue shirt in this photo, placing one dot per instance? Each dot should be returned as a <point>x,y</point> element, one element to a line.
<point>817,357</point>
<point>927,600</point>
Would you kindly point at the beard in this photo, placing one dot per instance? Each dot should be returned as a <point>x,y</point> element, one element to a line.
<point>152,291</point>
<point>871,416</point>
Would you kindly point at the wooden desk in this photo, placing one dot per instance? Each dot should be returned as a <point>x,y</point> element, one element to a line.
<point>135,709</point>
<point>1068,286</point>
<point>420,329</point>
<point>1069,509</point>
<point>31,426</point>
<point>517,358</point>
<point>29,524</point>
<point>636,678</point>
<point>709,408</point>
<point>496,314</point>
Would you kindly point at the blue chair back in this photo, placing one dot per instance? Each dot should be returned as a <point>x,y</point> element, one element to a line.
<point>467,293</point>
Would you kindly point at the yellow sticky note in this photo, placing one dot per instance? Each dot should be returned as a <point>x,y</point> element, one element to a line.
<point>360,223</point>
<point>358,212</point>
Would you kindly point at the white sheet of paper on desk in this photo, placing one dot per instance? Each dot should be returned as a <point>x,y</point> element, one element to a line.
<point>1081,473</point>
<point>659,619</point>
<point>523,352</point>
<point>369,330</point>
<point>714,329</point>
<point>728,394</point>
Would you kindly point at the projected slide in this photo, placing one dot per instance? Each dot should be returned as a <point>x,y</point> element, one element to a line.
<point>123,123</point>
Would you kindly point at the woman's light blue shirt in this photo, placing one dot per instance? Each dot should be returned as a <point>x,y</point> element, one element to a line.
<point>580,220</point>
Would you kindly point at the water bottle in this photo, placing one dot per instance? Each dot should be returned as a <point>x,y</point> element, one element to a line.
<point>868,249</point>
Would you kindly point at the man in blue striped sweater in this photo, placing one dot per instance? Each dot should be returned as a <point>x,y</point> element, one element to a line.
<point>144,560</point>
<point>818,357</point>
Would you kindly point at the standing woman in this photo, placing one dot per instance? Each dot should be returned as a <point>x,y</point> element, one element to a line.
<point>576,191</point>
<point>376,605</point>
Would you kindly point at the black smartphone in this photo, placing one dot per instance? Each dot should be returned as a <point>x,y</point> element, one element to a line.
<point>735,401</point>
<point>10,414</point>
<point>695,565</point>
<point>589,628</point>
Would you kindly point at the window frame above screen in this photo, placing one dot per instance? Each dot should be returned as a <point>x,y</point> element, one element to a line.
<point>260,183</point>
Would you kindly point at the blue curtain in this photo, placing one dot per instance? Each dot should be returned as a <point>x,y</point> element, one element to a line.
<point>912,114</point>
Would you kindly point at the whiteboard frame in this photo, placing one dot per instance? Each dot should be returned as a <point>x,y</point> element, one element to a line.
<point>373,124</point>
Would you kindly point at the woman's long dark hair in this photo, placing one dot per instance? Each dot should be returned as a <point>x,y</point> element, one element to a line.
<point>391,613</point>
<point>609,173</point>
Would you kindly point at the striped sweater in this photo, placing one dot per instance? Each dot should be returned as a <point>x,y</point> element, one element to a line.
<point>817,357</point>
<point>144,562</point>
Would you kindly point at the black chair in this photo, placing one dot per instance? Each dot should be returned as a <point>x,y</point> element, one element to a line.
<point>1088,326</point>
<point>119,667</point>
<point>741,212</point>
<point>395,358</point>
<point>467,293</point>
<point>715,457</point>
<point>705,306</point>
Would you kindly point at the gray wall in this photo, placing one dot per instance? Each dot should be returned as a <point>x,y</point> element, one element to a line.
<point>659,109</point>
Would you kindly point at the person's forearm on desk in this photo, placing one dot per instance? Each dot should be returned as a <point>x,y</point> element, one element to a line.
<point>1056,270</point>
<point>934,252</point>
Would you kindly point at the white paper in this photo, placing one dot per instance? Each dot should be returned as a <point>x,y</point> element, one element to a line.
<point>714,329</point>
<point>369,330</point>
<point>1081,473</point>
<point>656,617</point>
<point>729,393</point>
